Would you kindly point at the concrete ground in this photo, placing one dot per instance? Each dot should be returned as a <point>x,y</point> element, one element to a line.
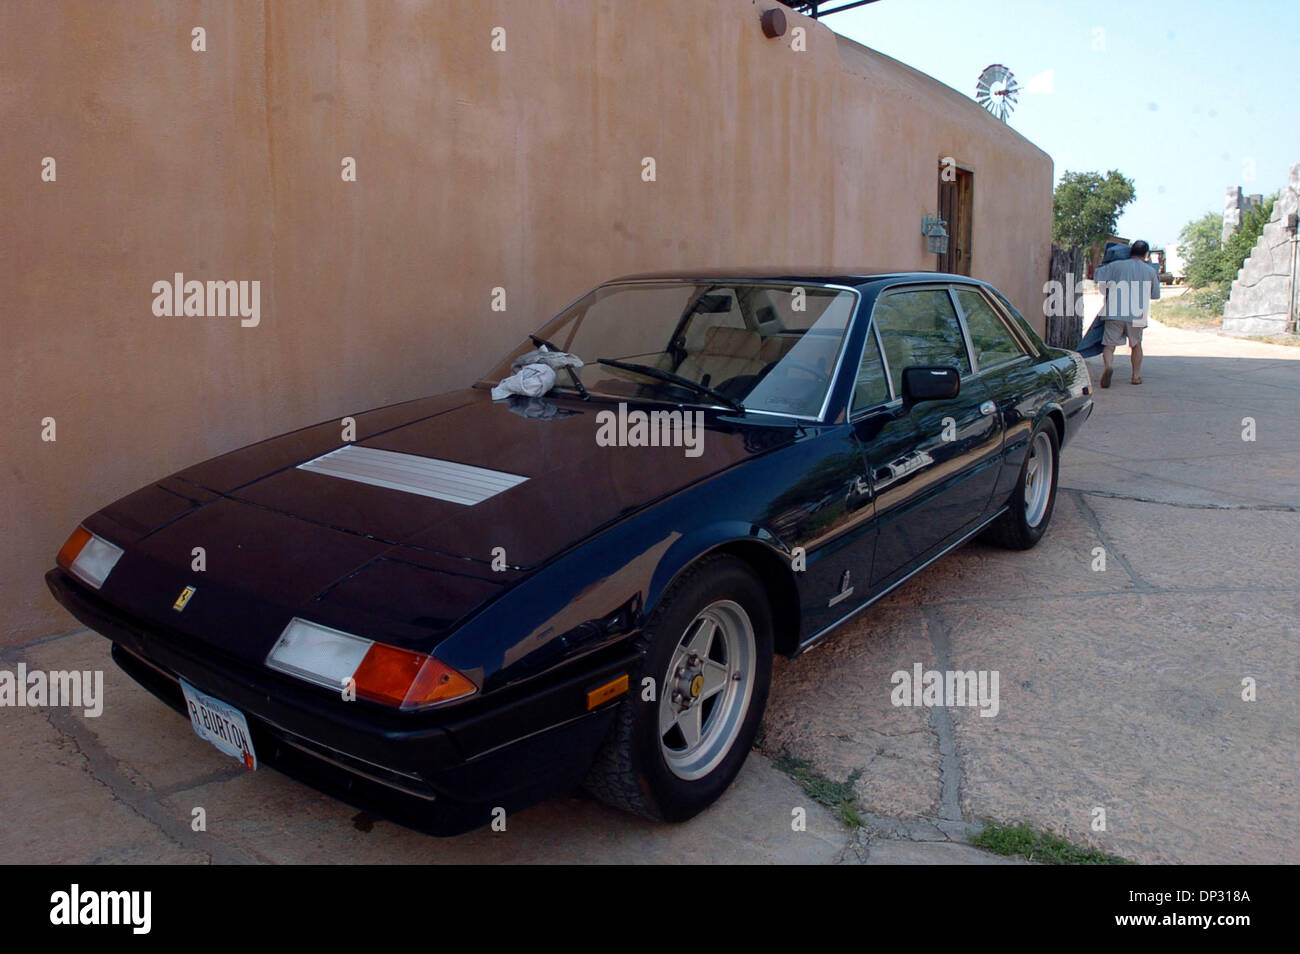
<point>1120,688</point>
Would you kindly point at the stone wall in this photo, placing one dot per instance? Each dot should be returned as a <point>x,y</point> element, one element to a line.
<point>1236,205</point>
<point>1263,296</point>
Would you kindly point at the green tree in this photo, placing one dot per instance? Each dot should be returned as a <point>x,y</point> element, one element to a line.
<point>1086,207</point>
<point>1211,260</point>
<point>1201,250</point>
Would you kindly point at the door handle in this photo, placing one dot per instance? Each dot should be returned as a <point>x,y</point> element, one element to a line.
<point>988,407</point>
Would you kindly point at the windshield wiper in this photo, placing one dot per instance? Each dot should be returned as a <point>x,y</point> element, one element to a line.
<point>577,382</point>
<point>674,379</point>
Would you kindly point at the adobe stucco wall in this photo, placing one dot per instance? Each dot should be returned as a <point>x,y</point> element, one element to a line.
<point>475,169</point>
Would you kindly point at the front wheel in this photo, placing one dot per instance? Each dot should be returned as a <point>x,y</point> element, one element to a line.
<point>680,739</point>
<point>1032,502</point>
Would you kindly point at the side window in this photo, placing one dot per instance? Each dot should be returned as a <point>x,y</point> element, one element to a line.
<point>872,388</point>
<point>993,341</point>
<point>919,328</point>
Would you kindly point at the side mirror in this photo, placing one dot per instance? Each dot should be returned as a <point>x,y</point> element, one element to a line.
<point>925,383</point>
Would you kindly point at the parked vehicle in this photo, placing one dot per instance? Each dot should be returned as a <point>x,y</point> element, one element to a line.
<point>1158,258</point>
<point>476,604</point>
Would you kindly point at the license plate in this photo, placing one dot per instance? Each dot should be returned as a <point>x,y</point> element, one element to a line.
<point>222,725</point>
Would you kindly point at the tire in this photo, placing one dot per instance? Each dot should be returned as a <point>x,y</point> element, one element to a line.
<point>1032,502</point>
<point>659,774</point>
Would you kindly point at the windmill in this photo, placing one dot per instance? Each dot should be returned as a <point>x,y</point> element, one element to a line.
<point>997,91</point>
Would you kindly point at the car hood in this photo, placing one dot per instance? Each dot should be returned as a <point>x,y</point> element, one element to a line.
<point>468,477</point>
<point>434,509</point>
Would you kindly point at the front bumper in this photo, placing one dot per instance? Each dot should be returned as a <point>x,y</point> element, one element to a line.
<point>442,772</point>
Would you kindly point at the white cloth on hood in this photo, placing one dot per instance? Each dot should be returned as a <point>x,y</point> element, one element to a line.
<point>552,359</point>
<point>530,380</point>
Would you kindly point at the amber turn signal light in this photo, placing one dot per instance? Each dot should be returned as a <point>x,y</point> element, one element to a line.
<point>406,679</point>
<point>74,545</point>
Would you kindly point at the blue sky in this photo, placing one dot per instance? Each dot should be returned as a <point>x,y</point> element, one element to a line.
<point>1185,98</point>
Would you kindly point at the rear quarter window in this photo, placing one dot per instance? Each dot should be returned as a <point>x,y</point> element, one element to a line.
<point>992,340</point>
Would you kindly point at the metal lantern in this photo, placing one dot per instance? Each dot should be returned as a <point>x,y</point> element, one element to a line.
<point>936,234</point>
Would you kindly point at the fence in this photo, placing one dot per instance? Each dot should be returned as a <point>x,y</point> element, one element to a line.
<point>1066,329</point>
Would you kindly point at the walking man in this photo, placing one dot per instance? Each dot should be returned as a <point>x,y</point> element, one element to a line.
<point>1127,287</point>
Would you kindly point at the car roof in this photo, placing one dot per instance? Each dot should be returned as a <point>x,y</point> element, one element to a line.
<point>829,276</point>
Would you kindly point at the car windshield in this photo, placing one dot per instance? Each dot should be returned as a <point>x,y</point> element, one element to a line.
<point>766,346</point>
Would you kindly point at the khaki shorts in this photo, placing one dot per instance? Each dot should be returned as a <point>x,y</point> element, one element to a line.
<point>1116,331</point>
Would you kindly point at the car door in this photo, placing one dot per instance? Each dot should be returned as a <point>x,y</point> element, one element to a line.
<point>932,466</point>
<point>1005,365</point>
<point>840,560</point>
<point>886,437</point>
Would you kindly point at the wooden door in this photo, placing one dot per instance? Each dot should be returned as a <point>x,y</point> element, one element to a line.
<point>956,205</point>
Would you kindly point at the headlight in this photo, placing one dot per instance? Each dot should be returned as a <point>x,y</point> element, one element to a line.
<point>88,557</point>
<point>396,677</point>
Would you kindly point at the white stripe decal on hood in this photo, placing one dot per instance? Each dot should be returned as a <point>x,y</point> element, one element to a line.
<point>426,476</point>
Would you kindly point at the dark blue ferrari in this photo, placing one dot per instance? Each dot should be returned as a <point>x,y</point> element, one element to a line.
<point>577,571</point>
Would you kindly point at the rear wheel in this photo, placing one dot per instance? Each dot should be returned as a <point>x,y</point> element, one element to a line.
<point>677,744</point>
<point>1034,499</point>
